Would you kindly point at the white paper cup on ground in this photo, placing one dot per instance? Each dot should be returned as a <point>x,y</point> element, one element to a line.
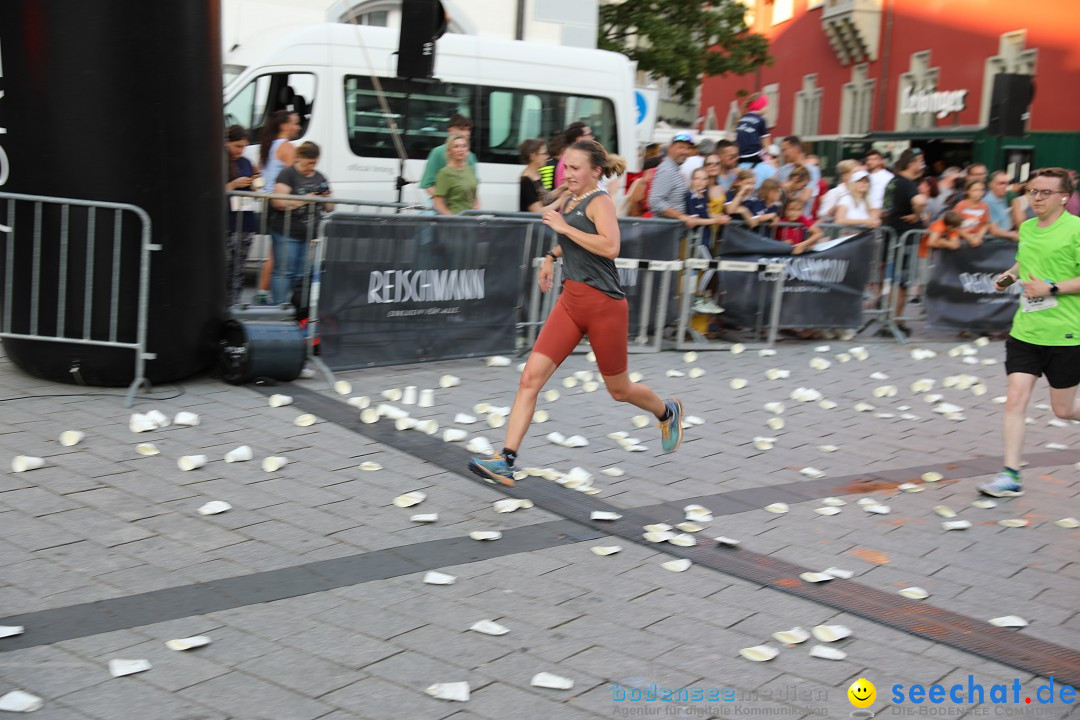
<point>119,667</point>
<point>449,381</point>
<point>498,361</point>
<point>454,691</point>
<point>214,507</point>
<point>158,418</point>
<point>191,462</point>
<point>278,400</point>
<point>22,463</point>
<point>69,438</point>
<point>147,449</point>
<point>343,387</point>
<point>393,394</point>
<point>428,427</point>
<point>363,402</point>
<point>273,463</point>
<point>20,701</point>
<point>369,416</point>
<point>141,423</point>
<point>186,419</point>
<point>549,680</point>
<point>305,420</point>
<point>454,435</point>
<point>426,399</point>
<point>408,396</point>
<point>188,643</point>
<point>240,454</point>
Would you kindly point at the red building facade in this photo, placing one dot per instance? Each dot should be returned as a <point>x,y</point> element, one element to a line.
<point>871,68</point>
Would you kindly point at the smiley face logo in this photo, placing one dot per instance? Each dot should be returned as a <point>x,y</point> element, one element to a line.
<point>862,693</point>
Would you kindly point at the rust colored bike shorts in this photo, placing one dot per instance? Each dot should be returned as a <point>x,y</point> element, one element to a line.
<point>583,310</point>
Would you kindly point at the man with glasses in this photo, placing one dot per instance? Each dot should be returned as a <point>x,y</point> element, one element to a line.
<point>667,194</point>
<point>1045,335</point>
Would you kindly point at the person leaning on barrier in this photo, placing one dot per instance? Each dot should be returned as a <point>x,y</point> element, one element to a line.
<point>975,212</point>
<point>667,191</point>
<point>533,196</point>
<point>293,223</point>
<point>804,234</point>
<point>827,207</point>
<point>854,209</point>
<point>1045,335</point>
<point>944,233</point>
<point>437,158</point>
<point>242,223</point>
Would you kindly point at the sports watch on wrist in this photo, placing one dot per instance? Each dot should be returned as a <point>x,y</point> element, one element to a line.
<point>1054,289</point>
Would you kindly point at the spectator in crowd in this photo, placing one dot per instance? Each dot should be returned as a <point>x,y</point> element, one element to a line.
<point>574,131</point>
<point>739,201</point>
<point>697,197</point>
<point>879,177</point>
<point>276,152</point>
<point>1021,207</point>
<point>822,185</point>
<point>827,207</point>
<point>437,159</point>
<point>728,154</point>
<point>804,234</point>
<point>752,132</point>
<point>717,194</point>
<point>456,184</point>
<point>293,223</point>
<point>899,213</point>
<point>764,208</point>
<point>242,223</point>
<point>853,208</point>
<point>667,192</point>
<point>768,167</point>
<point>939,196</point>
<point>791,149</point>
<point>945,232</point>
<point>653,156</point>
<point>975,213</point>
<point>797,185</point>
<point>974,171</point>
<point>533,196</point>
<point>705,147</point>
<point>1073,205</point>
<point>556,147</point>
<point>1001,217</point>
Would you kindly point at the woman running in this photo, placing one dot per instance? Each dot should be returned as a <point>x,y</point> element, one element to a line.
<point>592,303</point>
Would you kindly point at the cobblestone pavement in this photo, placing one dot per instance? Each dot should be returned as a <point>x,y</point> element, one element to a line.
<point>311,589</point>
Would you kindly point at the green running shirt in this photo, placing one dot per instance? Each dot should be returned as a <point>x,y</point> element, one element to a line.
<point>1053,254</point>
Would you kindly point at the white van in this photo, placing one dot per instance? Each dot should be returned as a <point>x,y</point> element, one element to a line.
<point>512,91</point>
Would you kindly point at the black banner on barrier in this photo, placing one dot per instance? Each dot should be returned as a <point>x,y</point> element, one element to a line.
<point>416,289</point>
<point>822,288</point>
<point>960,293</point>
<point>648,241</point>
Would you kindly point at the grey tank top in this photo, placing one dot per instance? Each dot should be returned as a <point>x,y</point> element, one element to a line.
<point>583,266</point>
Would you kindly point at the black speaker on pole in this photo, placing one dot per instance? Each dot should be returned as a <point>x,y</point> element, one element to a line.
<point>1009,104</point>
<point>422,23</point>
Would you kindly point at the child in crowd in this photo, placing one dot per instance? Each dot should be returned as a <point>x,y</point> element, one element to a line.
<point>802,238</point>
<point>742,188</point>
<point>765,209</point>
<point>944,234</point>
<point>975,213</point>
<point>697,198</point>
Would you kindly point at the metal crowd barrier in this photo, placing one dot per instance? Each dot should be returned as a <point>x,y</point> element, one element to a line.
<point>11,231</point>
<point>770,272</point>
<point>257,202</point>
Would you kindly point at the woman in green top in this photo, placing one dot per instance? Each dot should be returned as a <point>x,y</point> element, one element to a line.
<point>455,185</point>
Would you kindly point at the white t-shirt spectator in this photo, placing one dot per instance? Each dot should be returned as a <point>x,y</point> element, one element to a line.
<point>855,211</point>
<point>879,180</point>
<point>827,208</point>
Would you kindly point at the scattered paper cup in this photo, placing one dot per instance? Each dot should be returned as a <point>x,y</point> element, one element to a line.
<point>21,702</point>
<point>424,518</point>
<point>343,387</point>
<point>214,507</point>
<point>408,396</point>
<point>454,435</point>
<point>489,627</point>
<point>827,653</point>
<point>455,691</point>
<point>11,630</point>
<point>147,449</point>
<point>551,681</point>
<point>759,653</point>
<point>794,636</point>
<point>158,418</point>
<point>240,454</point>
<point>427,398</point>
<point>141,423</point>
<point>915,593</point>
<point>22,463</point>
<point>551,395</point>
<point>498,361</point>
<point>278,400</point>
<point>68,438</point>
<point>186,419</point>
<point>188,643</point>
<point>449,381</point>
<point>541,416</point>
<point>409,499</point>
<point>273,463</point>
<point>830,633</point>
<point>369,415</point>
<point>679,565</point>
<point>305,420</point>
<point>191,462</point>
<point>393,394</point>
<point>120,667</point>
<point>737,383</point>
<point>438,578</point>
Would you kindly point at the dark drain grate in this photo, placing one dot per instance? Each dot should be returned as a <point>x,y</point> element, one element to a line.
<point>914,617</point>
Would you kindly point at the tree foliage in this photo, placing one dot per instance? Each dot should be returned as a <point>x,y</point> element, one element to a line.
<point>683,39</point>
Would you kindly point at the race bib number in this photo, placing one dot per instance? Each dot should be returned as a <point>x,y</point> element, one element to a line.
<point>1036,304</point>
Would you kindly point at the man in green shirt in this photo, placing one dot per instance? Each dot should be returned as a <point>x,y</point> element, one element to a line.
<point>457,125</point>
<point>1045,336</point>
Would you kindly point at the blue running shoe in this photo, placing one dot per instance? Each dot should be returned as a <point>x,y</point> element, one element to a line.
<point>494,469</point>
<point>671,429</point>
<point>1002,486</point>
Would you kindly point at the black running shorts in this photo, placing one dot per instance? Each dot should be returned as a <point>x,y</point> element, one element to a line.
<point>1060,363</point>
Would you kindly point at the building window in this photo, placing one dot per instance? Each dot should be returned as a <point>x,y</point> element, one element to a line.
<point>920,78</point>
<point>1013,57</point>
<point>808,107</point>
<point>858,98</point>
<point>782,11</point>
<point>772,110</point>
